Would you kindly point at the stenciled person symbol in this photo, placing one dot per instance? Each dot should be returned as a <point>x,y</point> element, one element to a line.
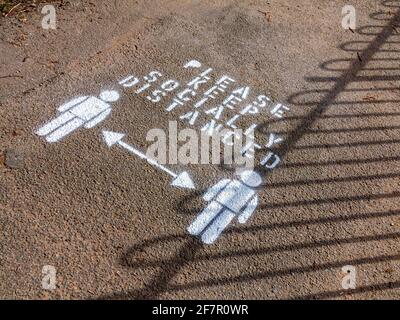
<point>227,199</point>
<point>86,111</point>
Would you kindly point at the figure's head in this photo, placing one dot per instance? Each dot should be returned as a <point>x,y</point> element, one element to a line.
<point>109,96</point>
<point>251,178</point>
<point>192,64</point>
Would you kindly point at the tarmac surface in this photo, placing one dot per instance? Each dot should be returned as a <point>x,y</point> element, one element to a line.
<point>113,226</point>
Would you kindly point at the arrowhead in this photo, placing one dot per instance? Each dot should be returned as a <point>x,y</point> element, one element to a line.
<point>183,180</point>
<point>112,138</point>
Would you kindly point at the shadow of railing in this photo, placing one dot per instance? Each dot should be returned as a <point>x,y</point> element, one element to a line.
<point>351,73</point>
<point>359,290</point>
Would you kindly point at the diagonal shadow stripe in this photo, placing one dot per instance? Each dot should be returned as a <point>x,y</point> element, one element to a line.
<point>249,277</point>
<point>332,180</point>
<point>339,162</point>
<point>147,245</point>
<point>365,289</point>
<point>275,249</point>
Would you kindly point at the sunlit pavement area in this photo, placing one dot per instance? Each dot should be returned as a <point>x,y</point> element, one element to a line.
<point>82,218</point>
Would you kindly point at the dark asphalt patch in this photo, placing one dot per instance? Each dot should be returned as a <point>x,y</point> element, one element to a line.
<point>13,159</point>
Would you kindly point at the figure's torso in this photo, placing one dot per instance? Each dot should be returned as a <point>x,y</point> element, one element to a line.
<point>235,196</point>
<point>90,108</point>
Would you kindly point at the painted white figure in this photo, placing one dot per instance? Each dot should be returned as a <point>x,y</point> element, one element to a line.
<point>84,111</point>
<point>227,199</point>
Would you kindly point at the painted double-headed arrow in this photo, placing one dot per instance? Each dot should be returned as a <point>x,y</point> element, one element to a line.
<point>181,180</point>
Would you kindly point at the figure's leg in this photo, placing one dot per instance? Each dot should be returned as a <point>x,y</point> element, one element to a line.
<point>204,218</point>
<point>54,124</point>
<point>219,224</point>
<point>64,130</point>
<point>248,210</point>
